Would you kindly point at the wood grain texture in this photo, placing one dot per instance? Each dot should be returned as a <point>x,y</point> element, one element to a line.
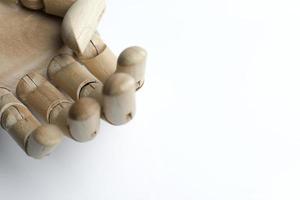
<point>35,139</point>
<point>79,80</point>
<point>28,41</point>
<point>14,116</point>
<point>98,58</point>
<point>40,95</point>
<point>80,23</point>
<point>32,51</point>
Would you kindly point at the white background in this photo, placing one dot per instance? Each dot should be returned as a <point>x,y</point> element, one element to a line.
<point>218,117</point>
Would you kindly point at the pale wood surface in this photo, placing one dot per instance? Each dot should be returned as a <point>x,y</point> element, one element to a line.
<point>53,7</point>
<point>83,118</point>
<point>63,66</point>
<point>80,23</point>
<point>119,99</point>
<point>98,58</point>
<point>32,53</point>
<point>40,95</point>
<point>28,41</point>
<point>16,118</point>
<point>57,7</point>
<point>133,62</point>
<point>35,139</point>
<point>43,141</point>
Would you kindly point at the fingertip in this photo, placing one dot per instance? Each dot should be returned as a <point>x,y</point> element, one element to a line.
<point>84,119</point>
<point>133,62</point>
<point>43,141</point>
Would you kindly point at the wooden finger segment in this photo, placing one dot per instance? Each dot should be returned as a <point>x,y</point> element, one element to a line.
<point>84,116</point>
<point>98,59</point>
<point>43,141</point>
<point>119,99</point>
<point>13,115</point>
<point>94,74</point>
<point>133,62</point>
<point>37,93</point>
<point>40,95</point>
<point>80,23</point>
<point>58,7</point>
<point>80,82</point>
<point>94,91</point>
<point>53,7</point>
<point>18,121</point>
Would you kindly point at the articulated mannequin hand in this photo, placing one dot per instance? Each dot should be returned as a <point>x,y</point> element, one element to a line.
<point>54,63</point>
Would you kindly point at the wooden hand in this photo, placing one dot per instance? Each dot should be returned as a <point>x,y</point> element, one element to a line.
<point>59,67</point>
